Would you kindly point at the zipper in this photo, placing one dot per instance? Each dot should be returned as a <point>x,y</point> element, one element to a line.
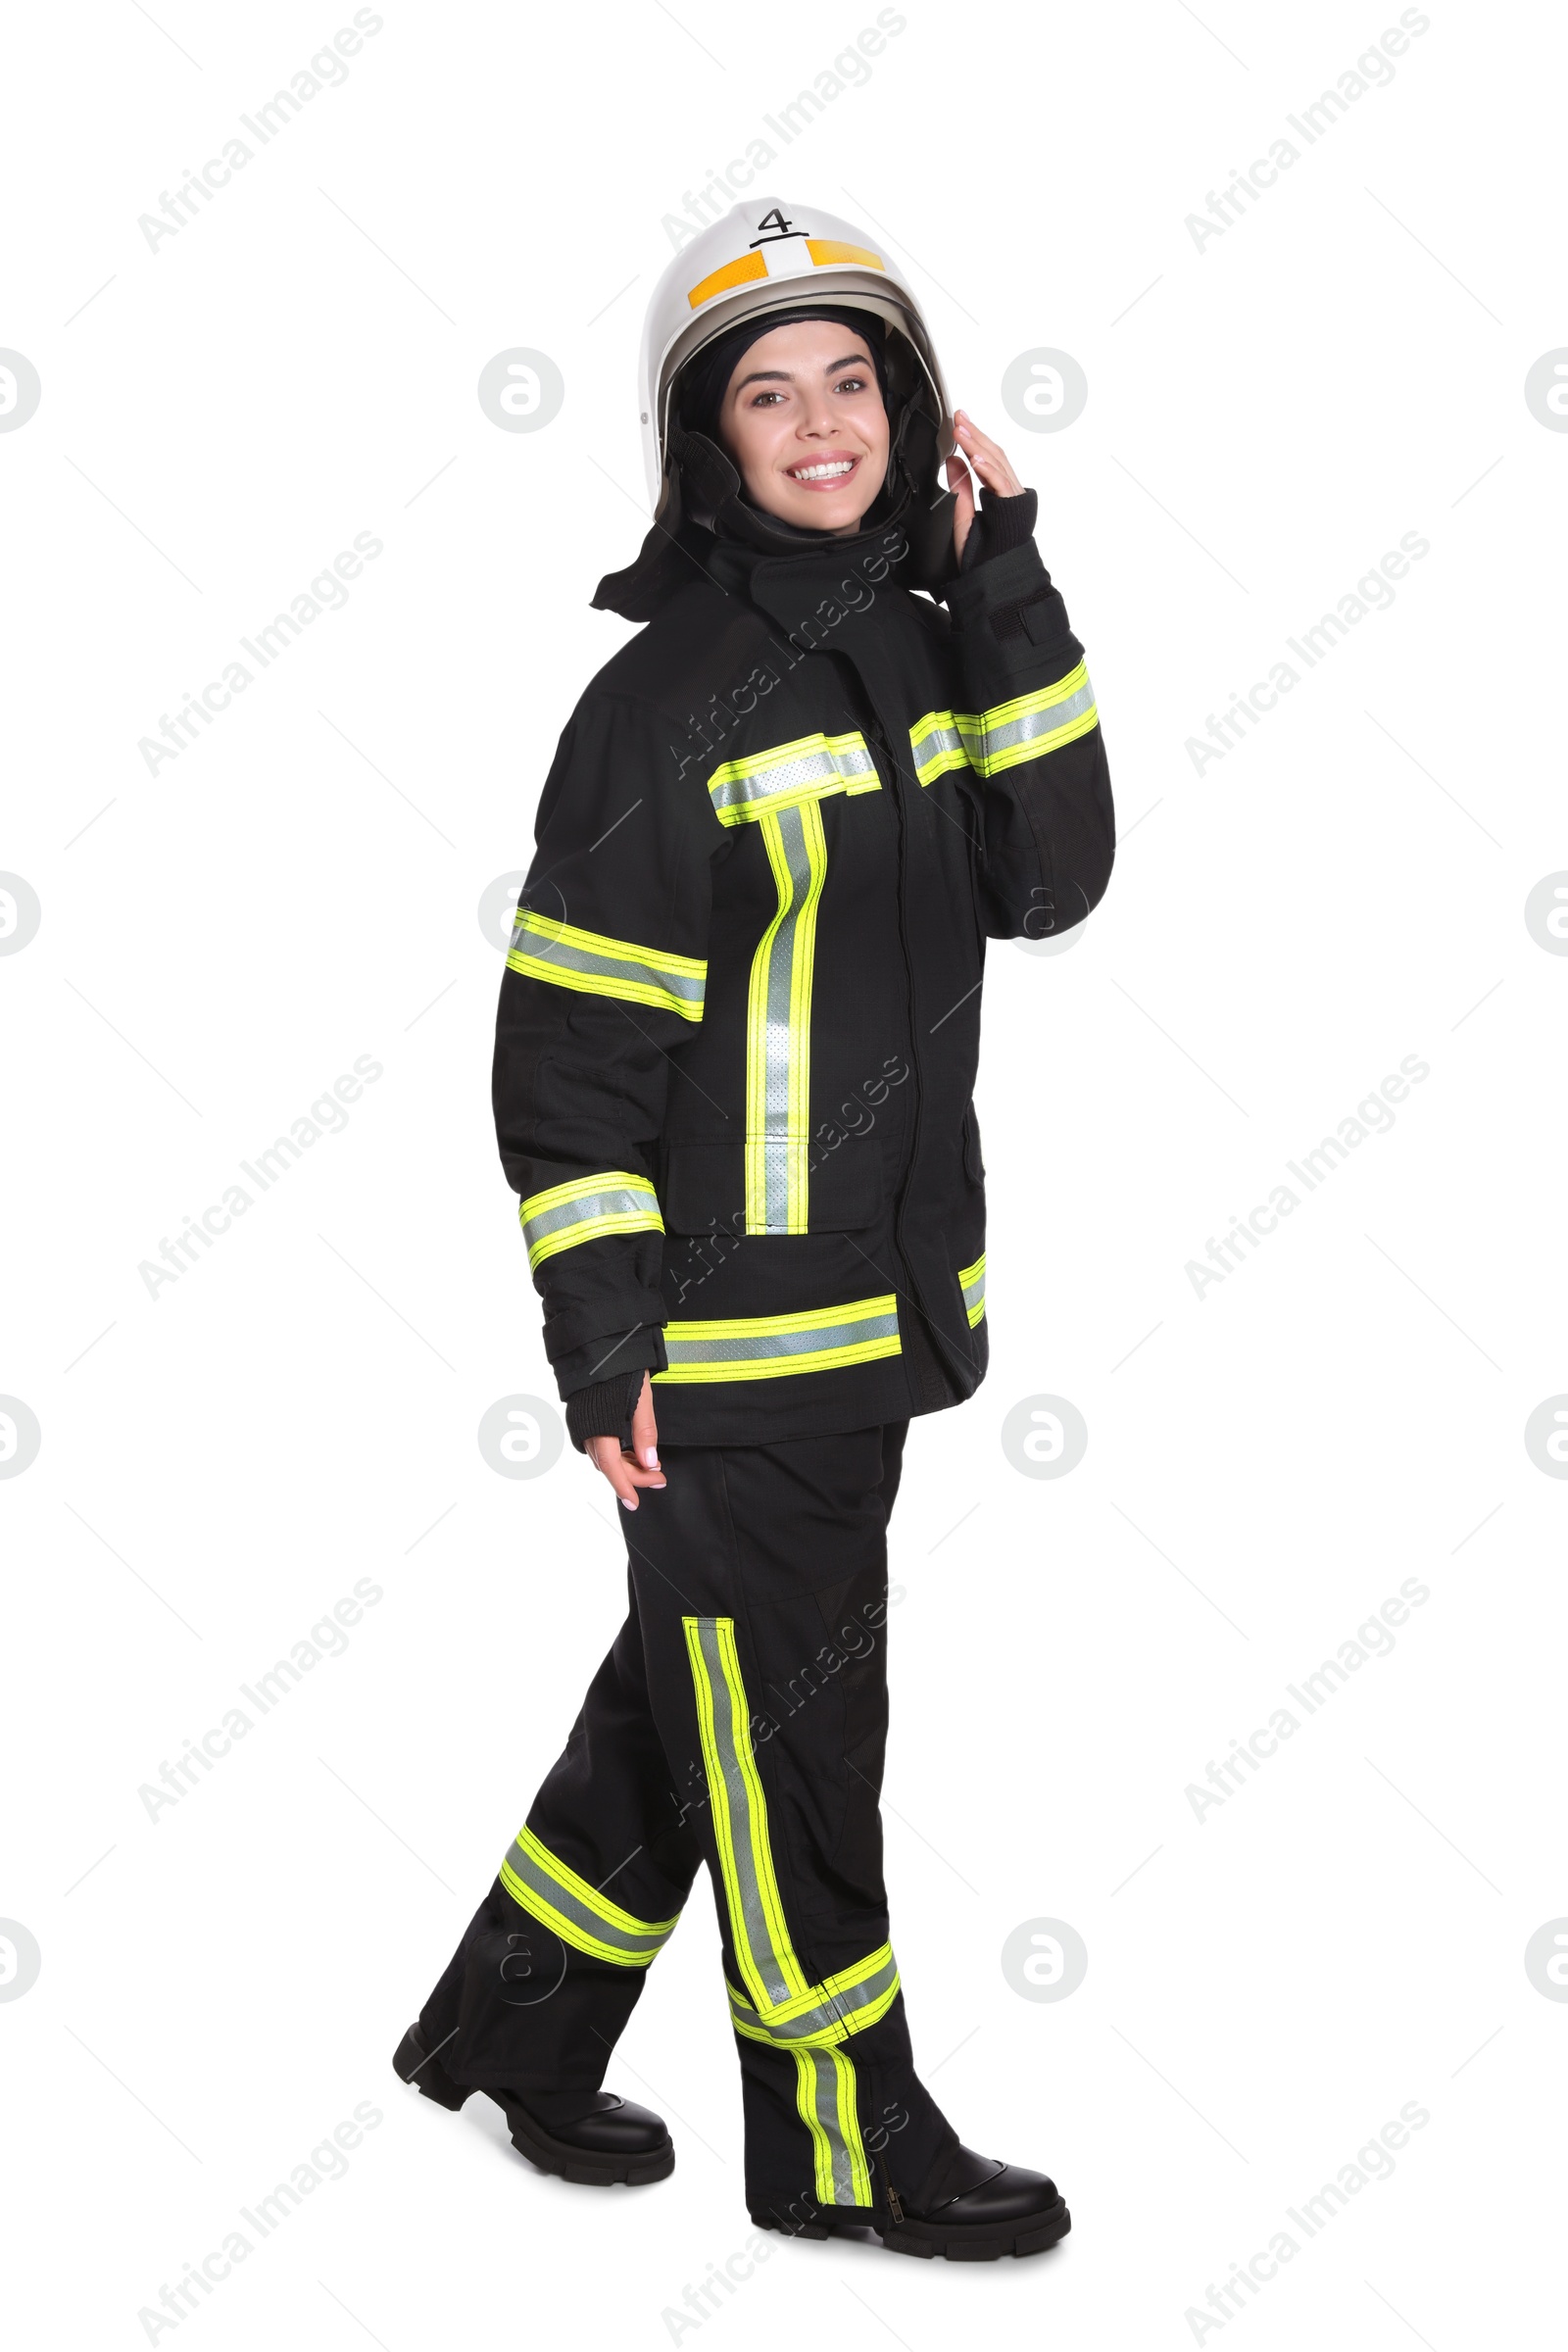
<point>894,2202</point>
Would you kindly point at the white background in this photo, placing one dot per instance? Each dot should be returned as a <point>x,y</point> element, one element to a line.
<point>1266,416</point>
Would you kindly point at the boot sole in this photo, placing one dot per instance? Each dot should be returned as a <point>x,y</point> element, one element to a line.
<point>926,2240</point>
<point>415,2064</point>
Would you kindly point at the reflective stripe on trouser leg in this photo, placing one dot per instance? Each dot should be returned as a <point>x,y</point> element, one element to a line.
<point>781,1995</point>
<point>762,1949</point>
<point>778,1025</point>
<point>825,2096</point>
<point>552,1892</point>
<point>830,2012</point>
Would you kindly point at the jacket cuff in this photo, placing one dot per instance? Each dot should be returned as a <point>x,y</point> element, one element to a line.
<point>605,1410</point>
<point>610,1358</point>
<point>1010,628</point>
<point>999,524</point>
<point>995,583</point>
<point>585,1326</point>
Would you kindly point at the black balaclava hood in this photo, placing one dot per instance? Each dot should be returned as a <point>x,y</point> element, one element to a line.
<point>703,382</point>
<point>705,497</point>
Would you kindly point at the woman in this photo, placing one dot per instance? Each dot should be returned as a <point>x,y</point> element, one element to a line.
<point>737,1039</point>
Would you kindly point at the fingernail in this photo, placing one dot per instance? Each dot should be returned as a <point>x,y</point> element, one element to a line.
<point>650,1459</point>
<point>624,1504</point>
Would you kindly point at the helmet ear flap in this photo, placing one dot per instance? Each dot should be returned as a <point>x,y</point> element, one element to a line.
<point>706,475</point>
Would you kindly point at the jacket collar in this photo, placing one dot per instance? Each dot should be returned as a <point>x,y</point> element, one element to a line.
<point>705,522</point>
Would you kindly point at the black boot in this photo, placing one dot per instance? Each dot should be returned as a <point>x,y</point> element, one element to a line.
<point>585,2136</point>
<point>982,2209</point>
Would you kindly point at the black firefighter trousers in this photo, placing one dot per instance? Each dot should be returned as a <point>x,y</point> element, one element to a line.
<point>739,1720</point>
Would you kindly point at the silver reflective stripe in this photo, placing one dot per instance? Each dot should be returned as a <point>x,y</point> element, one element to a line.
<point>822,1340</point>
<point>779,1031</point>
<point>835,2009</point>
<point>972,1282</point>
<point>993,741</point>
<point>524,1874</point>
<point>741,1825</point>
<point>827,763</point>
<point>825,2096</point>
<point>622,1201</point>
<point>541,947</point>
<point>938,749</point>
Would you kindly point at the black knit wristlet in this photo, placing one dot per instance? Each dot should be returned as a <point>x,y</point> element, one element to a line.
<point>605,1410</point>
<point>999,524</point>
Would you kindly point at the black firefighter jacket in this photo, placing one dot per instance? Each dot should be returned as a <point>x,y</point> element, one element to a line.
<point>740,1021</point>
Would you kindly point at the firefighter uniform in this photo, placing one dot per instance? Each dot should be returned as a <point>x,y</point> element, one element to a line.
<point>736,1049</point>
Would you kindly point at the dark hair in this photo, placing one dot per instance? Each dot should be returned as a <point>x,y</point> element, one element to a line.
<point>705,380</point>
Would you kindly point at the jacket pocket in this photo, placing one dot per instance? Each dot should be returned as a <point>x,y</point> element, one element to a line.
<point>702,1188</point>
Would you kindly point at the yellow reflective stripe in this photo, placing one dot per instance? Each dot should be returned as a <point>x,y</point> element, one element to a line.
<point>825,2080</point>
<point>828,2037</point>
<point>760,1939</point>
<point>1031,725</point>
<point>937,746</point>
<point>824,2098</point>
<point>822,2150</point>
<point>989,740</point>
<point>850,2128</point>
<point>789,774</point>
<point>589,1206</point>
<point>829,2014</point>
<point>768,1347</point>
<point>778,1026</point>
<point>552,1891</point>
<point>843,1980</point>
<point>733,274</point>
<point>596,965</point>
<point>972,1282</point>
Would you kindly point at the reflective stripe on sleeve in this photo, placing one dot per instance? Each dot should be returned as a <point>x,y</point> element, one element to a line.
<point>989,740</point>
<point>791,773</point>
<point>1032,725</point>
<point>767,1346</point>
<point>585,1208</point>
<point>553,1894</point>
<point>547,950</point>
<point>972,1282</point>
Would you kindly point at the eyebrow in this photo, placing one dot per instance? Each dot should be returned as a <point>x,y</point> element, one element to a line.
<point>782,375</point>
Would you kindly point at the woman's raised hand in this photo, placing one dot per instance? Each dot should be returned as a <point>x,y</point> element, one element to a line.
<point>990,462</point>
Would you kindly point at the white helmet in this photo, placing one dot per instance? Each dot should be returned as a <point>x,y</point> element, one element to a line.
<point>760,257</point>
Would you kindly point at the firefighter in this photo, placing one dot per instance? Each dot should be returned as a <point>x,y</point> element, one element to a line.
<point>737,1033</point>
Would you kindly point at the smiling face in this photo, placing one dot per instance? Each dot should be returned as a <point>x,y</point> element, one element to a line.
<point>804,420</point>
